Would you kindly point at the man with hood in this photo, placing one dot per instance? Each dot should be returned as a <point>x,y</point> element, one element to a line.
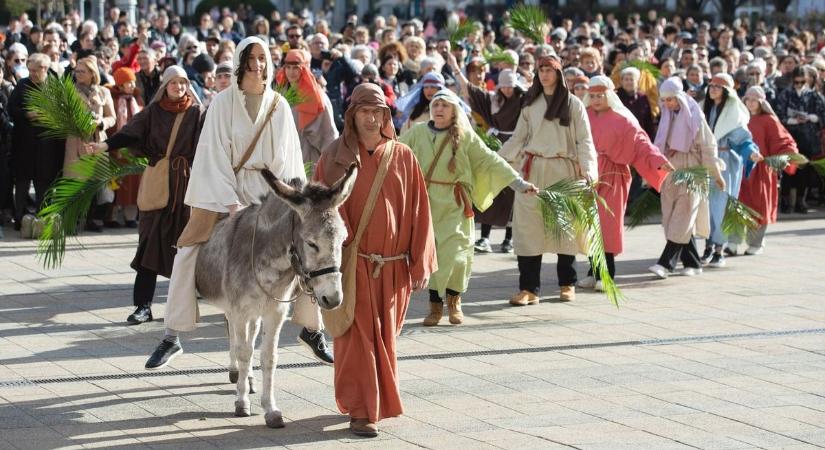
<point>218,186</point>
<point>551,142</point>
<point>395,255</point>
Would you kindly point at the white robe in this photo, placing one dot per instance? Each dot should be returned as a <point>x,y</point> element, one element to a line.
<point>227,133</point>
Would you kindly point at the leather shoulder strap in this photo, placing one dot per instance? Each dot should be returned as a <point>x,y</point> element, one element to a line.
<point>431,169</point>
<point>366,214</point>
<point>248,154</point>
<point>174,135</point>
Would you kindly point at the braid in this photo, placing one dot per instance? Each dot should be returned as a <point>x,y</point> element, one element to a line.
<point>455,134</point>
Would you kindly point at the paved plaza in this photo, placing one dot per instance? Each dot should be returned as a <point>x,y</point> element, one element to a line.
<point>732,359</point>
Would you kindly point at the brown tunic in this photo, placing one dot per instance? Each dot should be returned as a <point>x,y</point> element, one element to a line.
<point>147,134</point>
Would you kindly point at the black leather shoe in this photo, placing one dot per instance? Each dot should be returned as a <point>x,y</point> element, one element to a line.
<point>131,224</point>
<point>142,314</point>
<point>507,246</point>
<point>91,226</point>
<point>166,352</point>
<point>317,344</point>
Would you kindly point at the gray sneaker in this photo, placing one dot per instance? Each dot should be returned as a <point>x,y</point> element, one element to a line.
<point>483,246</point>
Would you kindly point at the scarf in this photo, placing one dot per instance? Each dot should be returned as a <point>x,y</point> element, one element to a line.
<point>176,106</point>
<point>342,153</point>
<point>313,103</point>
<point>557,104</point>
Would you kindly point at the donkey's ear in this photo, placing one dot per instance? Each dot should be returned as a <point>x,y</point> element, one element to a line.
<point>340,191</point>
<point>287,193</point>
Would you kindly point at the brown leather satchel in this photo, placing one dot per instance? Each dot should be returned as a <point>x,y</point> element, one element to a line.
<point>153,192</point>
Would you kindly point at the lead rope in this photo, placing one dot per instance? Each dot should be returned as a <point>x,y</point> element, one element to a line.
<point>255,271</point>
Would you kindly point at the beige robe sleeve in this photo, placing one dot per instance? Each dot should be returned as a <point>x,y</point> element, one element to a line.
<point>585,150</point>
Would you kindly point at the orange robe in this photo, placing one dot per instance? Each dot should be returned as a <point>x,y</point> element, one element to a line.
<point>366,372</point>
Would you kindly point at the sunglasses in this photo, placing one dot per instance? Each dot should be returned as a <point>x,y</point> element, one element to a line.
<point>294,36</point>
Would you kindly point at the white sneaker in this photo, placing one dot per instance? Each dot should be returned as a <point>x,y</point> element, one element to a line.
<point>690,271</point>
<point>598,287</point>
<point>587,283</point>
<point>659,271</point>
<point>754,250</point>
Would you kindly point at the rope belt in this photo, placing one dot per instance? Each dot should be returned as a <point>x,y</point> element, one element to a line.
<point>380,260</point>
<point>528,162</point>
<point>461,198</point>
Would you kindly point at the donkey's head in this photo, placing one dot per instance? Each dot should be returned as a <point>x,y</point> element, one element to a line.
<point>319,233</point>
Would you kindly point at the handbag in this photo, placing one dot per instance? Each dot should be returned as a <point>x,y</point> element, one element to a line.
<point>338,321</point>
<point>153,192</point>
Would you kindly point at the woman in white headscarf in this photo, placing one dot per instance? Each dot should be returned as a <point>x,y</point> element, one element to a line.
<point>620,143</point>
<point>232,120</point>
<point>728,117</point>
<point>148,134</point>
<point>460,172</point>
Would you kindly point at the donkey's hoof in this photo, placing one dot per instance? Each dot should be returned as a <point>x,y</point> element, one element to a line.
<point>252,385</point>
<point>274,419</point>
<point>233,376</point>
<point>242,410</point>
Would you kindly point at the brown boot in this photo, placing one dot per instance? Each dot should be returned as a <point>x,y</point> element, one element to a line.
<point>524,298</point>
<point>568,293</point>
<point>454,308</point>
<point>436,311</point>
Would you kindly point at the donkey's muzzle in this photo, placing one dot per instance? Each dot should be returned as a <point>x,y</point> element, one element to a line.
<point>331,301</point>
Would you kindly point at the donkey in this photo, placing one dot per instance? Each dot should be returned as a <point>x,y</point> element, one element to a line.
<point>260,260</point>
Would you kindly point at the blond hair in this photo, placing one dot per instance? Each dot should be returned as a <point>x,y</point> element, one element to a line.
<point>90,63</point>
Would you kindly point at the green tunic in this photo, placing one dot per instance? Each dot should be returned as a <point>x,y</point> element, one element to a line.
<point>481,174</point>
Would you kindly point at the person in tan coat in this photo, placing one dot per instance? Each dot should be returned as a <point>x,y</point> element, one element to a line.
<point>551,142</point>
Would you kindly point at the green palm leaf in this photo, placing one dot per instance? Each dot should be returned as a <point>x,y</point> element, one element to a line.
<point>644,66</point>
<point>819,165</point>
<point>498,56</point>
<point>291,94</point>
<point>739,219</point>
<point>643,208</point>
<point>460,32</point>
<point>60,109</point>
<point>490,141</point>
<point>309,169</point>
<point>569,209</point>
<point>530,21</point>
<point>696,179</point>
<point>68,200</point>
<point>779,163</point>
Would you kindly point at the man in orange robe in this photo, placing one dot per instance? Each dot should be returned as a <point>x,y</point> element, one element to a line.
<point>399,231</point>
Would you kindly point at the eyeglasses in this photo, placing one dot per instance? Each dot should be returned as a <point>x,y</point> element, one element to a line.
<point>20,60</point>
<point>294,36</point>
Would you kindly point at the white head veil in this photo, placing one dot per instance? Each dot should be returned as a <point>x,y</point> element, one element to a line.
<point>613,101</point>
<point>461,119</point>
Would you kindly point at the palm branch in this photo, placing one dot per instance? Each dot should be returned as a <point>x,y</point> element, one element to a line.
<point>530,21</point>
<point>490,141</point>
<point>644,207</point>
<point>291,94</point>
<point>309,169</point>
<point>779,163</point>
<point>569,209</point>
<point>739,218</point>
<point>68,200</point>
<point>499,57</point>
<point>60,109</point>
<point>644,66</point>
<point>459,32</point>
<point>696,179</point>
<point>819,166</point>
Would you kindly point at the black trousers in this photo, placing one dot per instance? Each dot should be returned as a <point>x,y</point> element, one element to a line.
<point>42,169</point>
<point>529,269</point>
<point>144,290</point>
<point>673,252</point>
<point>610,260</point>
<point>436,299</point>
<point>486,229</point>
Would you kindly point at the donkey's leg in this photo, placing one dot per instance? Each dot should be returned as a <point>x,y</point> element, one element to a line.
<point>273,320</point>
<point>255,327</point>
<point>242,344</point>
<point>233,359</point>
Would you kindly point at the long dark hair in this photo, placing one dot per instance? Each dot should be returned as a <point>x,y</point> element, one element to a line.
<point>244,62</point>
<point>709,103</point>
<point>420,107</point>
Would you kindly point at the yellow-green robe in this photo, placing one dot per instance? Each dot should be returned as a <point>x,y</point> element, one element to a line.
<point>481,174</point>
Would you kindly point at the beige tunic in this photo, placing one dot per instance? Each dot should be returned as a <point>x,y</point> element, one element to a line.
<point>685,214</point>
<point>560,152</point>
<point>101,105</point>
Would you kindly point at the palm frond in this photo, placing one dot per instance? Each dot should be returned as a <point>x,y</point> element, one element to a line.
<point>569,209</point>
<point>309,169</point>
<point>60,109</point>
<point>696,179</point>
<point>819,166</point>
<point>643,208</point>
<point>68,200</point>
<point>779,163</point>
<point>530,21</point>
<point>490,141</point>
<point>460,32</point>
<point>291,94</point>
<point>645,66</point>
<point>498,56</point>
<point>739,219</point>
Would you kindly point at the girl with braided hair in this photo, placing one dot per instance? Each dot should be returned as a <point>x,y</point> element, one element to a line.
<point>460,171</point>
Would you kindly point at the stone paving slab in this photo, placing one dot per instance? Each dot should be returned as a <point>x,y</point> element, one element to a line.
<point>683,363</point>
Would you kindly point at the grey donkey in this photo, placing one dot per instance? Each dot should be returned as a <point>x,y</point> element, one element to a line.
<point>259,260</point>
